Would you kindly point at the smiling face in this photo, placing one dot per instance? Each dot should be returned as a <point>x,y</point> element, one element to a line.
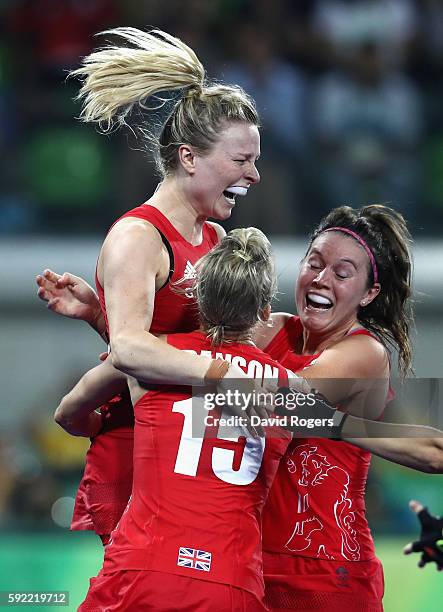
<point>230,163</point>
<point>333,284</point>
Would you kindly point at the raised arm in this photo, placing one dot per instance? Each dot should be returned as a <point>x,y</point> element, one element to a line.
<point>71,296</point>
<point>75,412</point>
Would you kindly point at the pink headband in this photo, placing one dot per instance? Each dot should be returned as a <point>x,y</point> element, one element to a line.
<point>363,243</point>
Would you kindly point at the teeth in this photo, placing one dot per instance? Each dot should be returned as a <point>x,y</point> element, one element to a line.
<point>319,299</point>
<point>234,189</point>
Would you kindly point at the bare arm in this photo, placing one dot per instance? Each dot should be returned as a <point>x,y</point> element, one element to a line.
<point>75,412</point>
<point>132,265</point>
<point>416,446</point>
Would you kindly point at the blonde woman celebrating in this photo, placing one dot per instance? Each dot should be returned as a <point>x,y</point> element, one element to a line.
<point>206,153</point>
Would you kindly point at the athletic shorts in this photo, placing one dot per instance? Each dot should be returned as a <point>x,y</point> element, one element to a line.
<point>143,590</point>
<point>318,584</point>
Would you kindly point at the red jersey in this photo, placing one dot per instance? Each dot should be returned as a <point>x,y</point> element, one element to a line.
<point>173,311</point>
<point>316,506</point>
<point>108,475</point>
<point>196,502</point>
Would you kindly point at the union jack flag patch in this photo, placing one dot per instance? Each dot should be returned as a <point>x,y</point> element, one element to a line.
<point>194,559</point>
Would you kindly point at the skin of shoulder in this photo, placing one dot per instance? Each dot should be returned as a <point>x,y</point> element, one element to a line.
<point>354,374</point>
<point>221,233</point>
<point>134,233</point>
<point>424,454</point>
<point>356,356</point>
<point>136,248</point>
<point>133,265</point>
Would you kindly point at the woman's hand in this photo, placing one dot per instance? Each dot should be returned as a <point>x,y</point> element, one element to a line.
<point>70,296</point>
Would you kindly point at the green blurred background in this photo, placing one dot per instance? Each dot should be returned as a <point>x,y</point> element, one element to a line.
<point>65,561</point>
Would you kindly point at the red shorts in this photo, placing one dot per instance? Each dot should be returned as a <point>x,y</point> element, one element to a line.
<point>304,583</point>
<point>106,484</point>
<point>142,590</point>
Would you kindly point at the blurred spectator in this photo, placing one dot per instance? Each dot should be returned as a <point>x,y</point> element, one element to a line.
<point>274,50</point>
<point>279,90</point>
<point>432,19</point>
<point>195,21</point>
<point>367,123</point>
<point>391,24</point>
<point>43,465</point>
<point>277,86</point>
<point>15,213</point>
<point>66,170</point>
<point>58,32</point>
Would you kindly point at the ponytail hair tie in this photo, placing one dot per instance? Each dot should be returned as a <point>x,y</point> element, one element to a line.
<point>193,91</point>
<point>243,255</point>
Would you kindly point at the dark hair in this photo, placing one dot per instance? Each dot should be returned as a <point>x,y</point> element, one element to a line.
<point>385,232</point>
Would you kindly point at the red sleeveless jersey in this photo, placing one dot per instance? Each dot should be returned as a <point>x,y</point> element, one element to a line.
<point>173,311</point>
<point>106,484</point>
<point>316,506</point>
<point>196,503</point>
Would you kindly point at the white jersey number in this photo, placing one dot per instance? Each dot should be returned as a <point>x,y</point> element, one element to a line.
<point>190,448</point>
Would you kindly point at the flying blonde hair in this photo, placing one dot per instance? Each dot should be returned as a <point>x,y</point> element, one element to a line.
<point>115,78</point>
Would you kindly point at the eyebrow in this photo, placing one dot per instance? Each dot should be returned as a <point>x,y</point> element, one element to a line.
<point>247,155</point>
<point>344,259</point>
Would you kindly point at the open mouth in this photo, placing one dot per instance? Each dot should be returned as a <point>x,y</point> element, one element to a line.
<point>315,301</point>
<point>229,196</point>
<point>231,192</point>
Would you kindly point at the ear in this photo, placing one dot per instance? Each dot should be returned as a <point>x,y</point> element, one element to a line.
<point>266,314</point>
<point>370,295</point>
<point>186,156</point>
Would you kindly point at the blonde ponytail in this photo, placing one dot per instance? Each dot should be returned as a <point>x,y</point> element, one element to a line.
<point>117,77</point>
<point>235,283</point>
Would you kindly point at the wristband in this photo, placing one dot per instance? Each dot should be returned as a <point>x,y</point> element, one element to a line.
<point>332,420</point>
<point>216,371</point>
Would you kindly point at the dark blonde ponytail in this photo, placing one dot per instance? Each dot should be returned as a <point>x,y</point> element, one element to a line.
<point>235,283</point>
